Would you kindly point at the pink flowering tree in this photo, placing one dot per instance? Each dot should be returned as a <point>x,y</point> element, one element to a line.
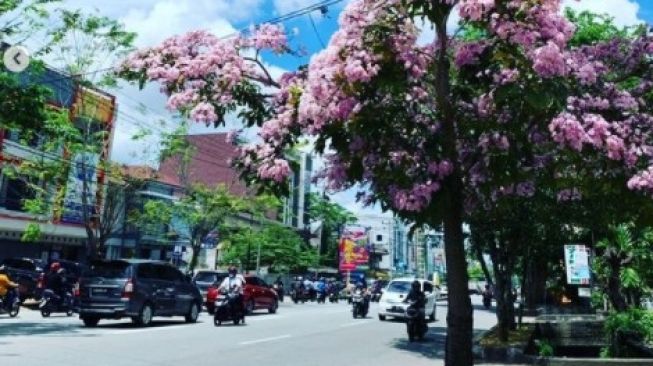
<point>432,132</point>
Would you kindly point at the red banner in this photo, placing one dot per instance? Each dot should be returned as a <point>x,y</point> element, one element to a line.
<point>353,249</point>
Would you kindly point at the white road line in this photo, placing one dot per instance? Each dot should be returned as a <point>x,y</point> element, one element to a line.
<point>260,319</point>
<point>355,323</point>
<point>262,340</point>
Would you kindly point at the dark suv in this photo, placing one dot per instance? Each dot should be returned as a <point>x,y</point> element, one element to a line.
<point>138,289</point>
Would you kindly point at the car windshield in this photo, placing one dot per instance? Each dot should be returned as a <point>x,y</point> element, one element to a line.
<point>114,269</point>
<point>399,286</point>
<point>207,277</point>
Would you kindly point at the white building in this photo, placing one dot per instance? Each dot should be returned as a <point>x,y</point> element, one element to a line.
<point>381,230</point>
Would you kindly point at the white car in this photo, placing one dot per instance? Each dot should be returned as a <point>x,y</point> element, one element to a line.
<point>392,302</point>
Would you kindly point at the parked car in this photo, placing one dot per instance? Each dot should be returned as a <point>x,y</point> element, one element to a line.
<point>139,289</point>
<point>26,272</point>
<point>256,295</point>
<point>392,302</point>
<point>205,279</point>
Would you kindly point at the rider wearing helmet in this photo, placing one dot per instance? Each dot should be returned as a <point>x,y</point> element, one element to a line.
<point>415,294</point>
<point>236,283</point>
<point>55,280</point>
<point>6,285</point>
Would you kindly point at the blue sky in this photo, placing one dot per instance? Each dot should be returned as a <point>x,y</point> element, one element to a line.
<point>155,20</point>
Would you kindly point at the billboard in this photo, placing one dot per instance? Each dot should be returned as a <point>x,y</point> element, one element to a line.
<point>83,167</point>
<point>577,264</point>
<point>353,249</point>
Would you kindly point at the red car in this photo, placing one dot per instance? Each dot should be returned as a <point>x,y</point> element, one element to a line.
<point>257,295</point>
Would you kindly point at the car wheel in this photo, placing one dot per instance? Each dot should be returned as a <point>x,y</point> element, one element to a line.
<point>273,308</point>
<point>249,308</point>
<point>381,317</point>
<point>144,319</point>
<point>91,322</point>
<point>236,321</point>
<point>193,313</point>
<point>45,312</point>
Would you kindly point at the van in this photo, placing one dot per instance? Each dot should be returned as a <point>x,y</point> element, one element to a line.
<point>136,289</point>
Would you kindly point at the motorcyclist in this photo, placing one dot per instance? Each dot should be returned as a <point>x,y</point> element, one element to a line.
<point>6,286</point>
<point>417,297</point>
<point>278,284</point>
<point>362,287</point>
<point>55,281</point>
<point>234,283</point>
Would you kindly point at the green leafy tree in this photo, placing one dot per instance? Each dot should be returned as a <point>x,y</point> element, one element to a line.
<point>281,248</point>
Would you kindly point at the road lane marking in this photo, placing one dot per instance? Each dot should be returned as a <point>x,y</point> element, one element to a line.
<point>262,340</point>
<point>355,323</point>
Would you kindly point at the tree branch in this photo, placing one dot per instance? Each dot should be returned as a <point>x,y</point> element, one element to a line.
<point>269,81</point>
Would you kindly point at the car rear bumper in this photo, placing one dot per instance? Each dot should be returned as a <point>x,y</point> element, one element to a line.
<point>106,310</point>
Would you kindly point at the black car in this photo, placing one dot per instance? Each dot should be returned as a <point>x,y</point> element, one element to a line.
<point>204,279</point>
<point>137,289</point>
<point>26,272</point>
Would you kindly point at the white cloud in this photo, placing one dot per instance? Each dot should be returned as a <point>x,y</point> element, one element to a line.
<point>623,11</point>
<point>172,17</point>
<point>287,6</point>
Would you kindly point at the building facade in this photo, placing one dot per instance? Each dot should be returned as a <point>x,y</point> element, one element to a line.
<point>63,234</point>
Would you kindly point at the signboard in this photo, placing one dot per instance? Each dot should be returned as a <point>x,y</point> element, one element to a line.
<point>353,249</point>
<point>83,167</point>
<point>577,264</point>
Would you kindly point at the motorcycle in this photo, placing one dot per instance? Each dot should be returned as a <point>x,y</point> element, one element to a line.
<point>376,296</point>
<point>301,295</point>
<point>321,297</point>
<point>10,307</point>
<point>279,290</point>
<point>333,297</point>
<point>415,323</point>
<point>359,307</point>
<point>487,299</point>
<point>225,309</point>
<point>52,303</point>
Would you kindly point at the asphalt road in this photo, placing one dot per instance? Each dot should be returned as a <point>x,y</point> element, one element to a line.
<point>309,334</point>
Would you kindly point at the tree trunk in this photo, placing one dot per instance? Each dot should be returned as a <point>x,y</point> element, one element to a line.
<point>534,288</point>
<point>614,289</point>
<point>460,320</point>
<point>196,244</point>
<point>481,260</point>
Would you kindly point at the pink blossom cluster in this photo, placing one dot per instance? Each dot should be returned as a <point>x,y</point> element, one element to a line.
<point>199,71</point>
<point>269,36</point>
<point>642,181</point>
<point>569,194</point>
<point>468,53</point>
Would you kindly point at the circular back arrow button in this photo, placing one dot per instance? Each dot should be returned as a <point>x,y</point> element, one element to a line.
<point>16,58</point>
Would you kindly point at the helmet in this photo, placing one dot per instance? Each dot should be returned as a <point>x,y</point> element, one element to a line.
<point>55,266</point>
<point>415,286</point>
<point>233,271</point>
<point>3,269</point>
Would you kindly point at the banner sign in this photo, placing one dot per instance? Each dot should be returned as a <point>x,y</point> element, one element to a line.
<point>83,168</point>
<point>353,249</point>
<point>577,264</point>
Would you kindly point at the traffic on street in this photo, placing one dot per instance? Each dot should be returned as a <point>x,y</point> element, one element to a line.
<point>298,334</point>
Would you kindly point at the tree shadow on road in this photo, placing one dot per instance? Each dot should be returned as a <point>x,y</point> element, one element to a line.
<point>433,345</point>
<point>154,324</point>
<point>40,328</point>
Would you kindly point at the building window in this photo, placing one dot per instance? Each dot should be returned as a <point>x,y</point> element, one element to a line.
<point>379,238</point>
<point>14,191</point>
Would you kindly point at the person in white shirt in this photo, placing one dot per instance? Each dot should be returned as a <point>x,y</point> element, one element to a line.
<point>235,282</point>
